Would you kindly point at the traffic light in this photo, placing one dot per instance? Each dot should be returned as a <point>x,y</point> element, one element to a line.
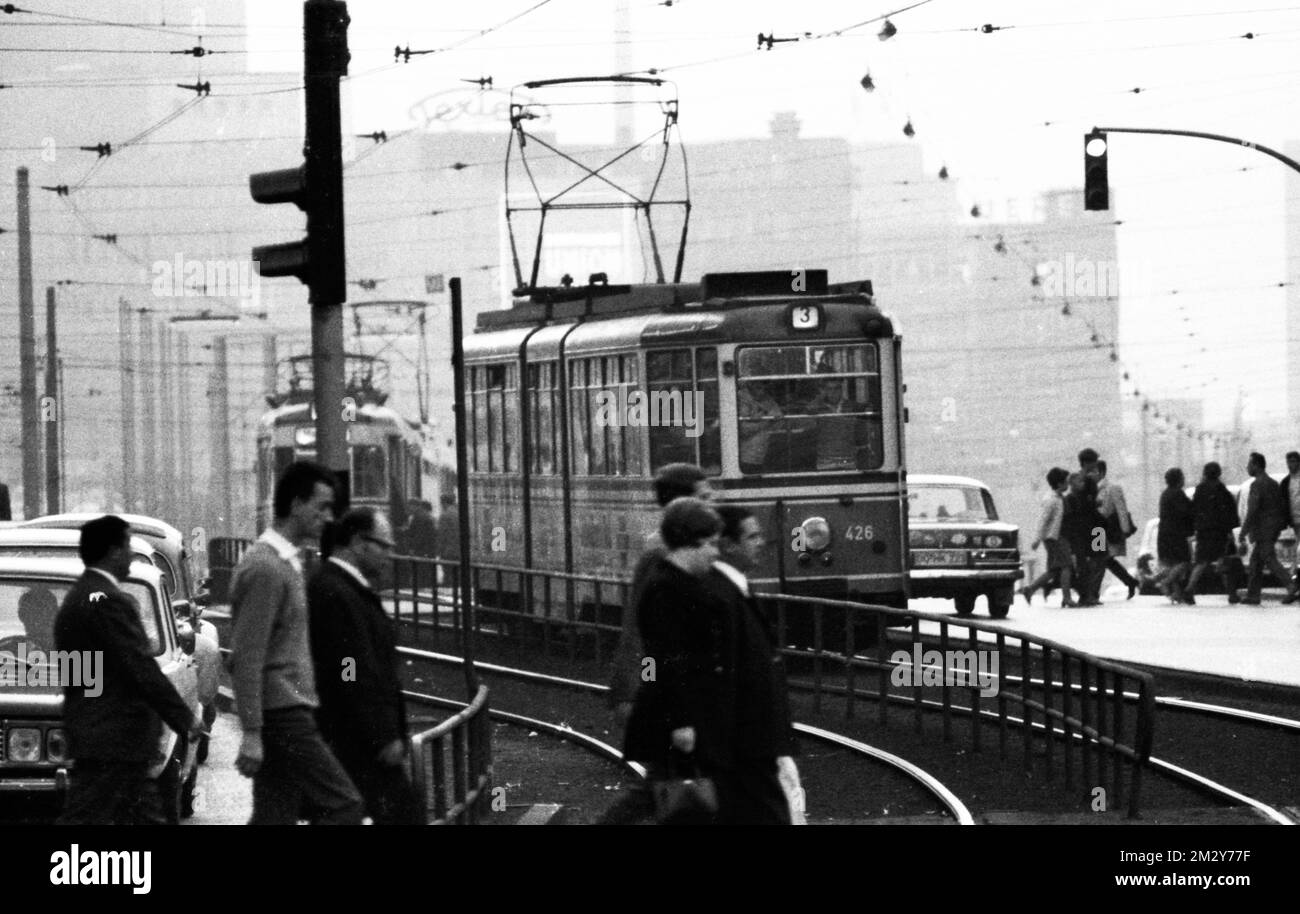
<point>316,187</point>
<point>1096,184</point>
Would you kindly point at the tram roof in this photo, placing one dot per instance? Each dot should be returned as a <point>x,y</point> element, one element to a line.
<point>609,316</point>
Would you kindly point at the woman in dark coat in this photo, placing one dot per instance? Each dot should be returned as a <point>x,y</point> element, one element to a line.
<point>685,705</point>
<point>1177,527</point>
<point>1078,528</point>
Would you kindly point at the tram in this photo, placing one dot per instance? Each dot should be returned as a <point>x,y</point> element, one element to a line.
<point>786,390</point>
<point>387,454</point>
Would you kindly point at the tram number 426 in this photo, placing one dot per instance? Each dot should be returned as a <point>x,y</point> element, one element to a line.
<point>859,532</point>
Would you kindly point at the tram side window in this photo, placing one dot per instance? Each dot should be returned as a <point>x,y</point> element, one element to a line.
<point>368,469</point>
<point>599,429</point>
<point>541,416</point>
<point>633,462</point>
<point>683,426</point>
<point>478,420</point>
<point>510,419</point>
<point>579,419</point>
<point>617,430</point>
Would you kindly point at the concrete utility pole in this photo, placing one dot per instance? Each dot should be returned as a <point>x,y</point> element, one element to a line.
<point>52,411</point>
<point>147,497</point>
<point>166,483</point>
<point>184,434</point>
<point>27,356</point>
<point>126,337</point>
<point>221,468</point>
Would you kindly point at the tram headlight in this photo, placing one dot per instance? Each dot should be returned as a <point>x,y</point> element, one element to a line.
<point>816,534</point>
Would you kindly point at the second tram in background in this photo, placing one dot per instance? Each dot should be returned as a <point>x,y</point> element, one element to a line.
<point>785,389</point>
<point>386,451</point>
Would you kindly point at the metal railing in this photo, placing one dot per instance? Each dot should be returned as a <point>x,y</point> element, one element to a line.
<point>1070,703</point>
<point>462,744</point>
<point>1072,713</point>
<point>547,607</point>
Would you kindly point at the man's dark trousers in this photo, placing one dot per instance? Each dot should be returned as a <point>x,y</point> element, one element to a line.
<point>299,772</point>
<point>106,792</point>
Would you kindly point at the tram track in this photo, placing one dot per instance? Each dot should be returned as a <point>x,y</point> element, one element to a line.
<point>861,752</point>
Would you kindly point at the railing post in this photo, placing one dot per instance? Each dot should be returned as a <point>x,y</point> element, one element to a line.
<point>1002,696</point>
<point>1026,696</point>
<point>944,691</point>
<point>1048,724</point>
<point>1067,711</point>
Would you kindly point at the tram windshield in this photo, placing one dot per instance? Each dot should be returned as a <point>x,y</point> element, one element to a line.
<point>809,409</point>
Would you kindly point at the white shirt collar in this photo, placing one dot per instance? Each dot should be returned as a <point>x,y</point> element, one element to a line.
<point>352,570</point>
<point>277,541</point>
<point>735,576</point>
<point>108,574</point>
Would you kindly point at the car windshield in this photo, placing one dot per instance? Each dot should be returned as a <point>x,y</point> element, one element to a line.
<point>28,608</point>
<point>948,503</point>
<point>803,409</point>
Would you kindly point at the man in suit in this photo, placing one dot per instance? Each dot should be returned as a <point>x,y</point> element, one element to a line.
<point>271,664</point>
<point>1263,523</point>
<point>1113,507</point>
<point>1216,516</point>
<point>752,793</point>
<point>113,734</point>
<point>362,714</point>
<point>6,512</point>
<point>420,535</point>
<point>1291,502</point>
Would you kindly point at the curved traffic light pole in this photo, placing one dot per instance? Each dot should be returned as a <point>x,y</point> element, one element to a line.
<point>1285,159</point>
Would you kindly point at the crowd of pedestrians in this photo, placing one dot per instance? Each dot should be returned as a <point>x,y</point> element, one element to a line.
<point>1085,522</point>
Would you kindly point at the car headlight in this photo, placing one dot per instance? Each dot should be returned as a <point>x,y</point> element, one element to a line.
<point>23,745</point>
<point>816,534</point>
<point>958,539</point>
<point>993,541</point>
<point>56,745</point>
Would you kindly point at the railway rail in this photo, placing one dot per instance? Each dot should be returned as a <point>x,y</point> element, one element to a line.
<point>923,779</point>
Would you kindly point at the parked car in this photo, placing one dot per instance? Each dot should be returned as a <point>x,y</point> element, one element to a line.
<point>176,563</point>
<point>1147,567</point>
<point>958,549</point>
<point>34,760</point>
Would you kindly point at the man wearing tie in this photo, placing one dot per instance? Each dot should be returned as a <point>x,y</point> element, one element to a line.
<point>763,789</point>
<point>362,714</point>
<point>112,734</point>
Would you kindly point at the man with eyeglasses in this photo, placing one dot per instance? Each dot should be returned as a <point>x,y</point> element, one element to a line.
<point>362,715</point>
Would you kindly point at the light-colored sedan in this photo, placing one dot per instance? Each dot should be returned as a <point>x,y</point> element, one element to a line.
<point>34,758</point>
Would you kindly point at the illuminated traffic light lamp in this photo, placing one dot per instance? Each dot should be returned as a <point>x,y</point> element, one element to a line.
<point>1096,184</point>
<point>316,187</point>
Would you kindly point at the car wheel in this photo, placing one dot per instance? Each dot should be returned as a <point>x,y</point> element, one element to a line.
<point>998,608</point>
<point>965,604</point>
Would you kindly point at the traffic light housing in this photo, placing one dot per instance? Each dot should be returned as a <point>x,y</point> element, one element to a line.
<point>1096,183</point>
<point>316,187</point>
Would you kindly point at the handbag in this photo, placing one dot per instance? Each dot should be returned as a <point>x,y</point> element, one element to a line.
<point>684,798</point>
